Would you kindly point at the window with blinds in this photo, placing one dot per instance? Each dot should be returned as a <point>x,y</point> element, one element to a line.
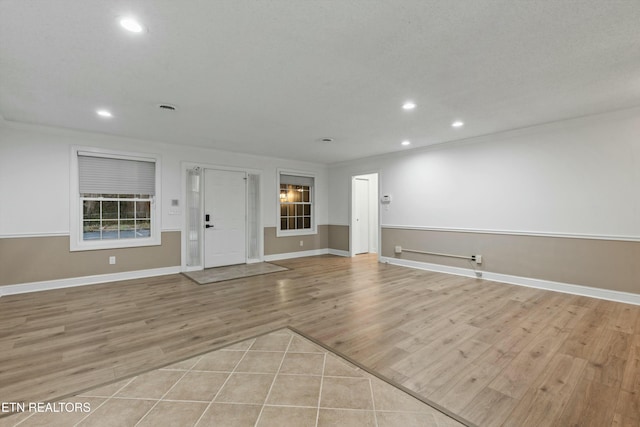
<point>296,210</point>
<point>116,196</point>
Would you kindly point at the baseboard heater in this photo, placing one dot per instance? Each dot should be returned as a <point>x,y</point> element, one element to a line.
<point>475,258</point>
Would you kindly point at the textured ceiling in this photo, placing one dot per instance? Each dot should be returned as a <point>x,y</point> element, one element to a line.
<point>273,77</point>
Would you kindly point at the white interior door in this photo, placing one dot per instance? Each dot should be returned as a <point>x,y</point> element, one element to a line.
<point>361,225</point>
<point>224,218</point>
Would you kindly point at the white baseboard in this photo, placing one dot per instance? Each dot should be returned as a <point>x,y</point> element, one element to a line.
<point>339,252</point>
<point>567,288</point>
<point>289,255</point>
<point>23,288</point>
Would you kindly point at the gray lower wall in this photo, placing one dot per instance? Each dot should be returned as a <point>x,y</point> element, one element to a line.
<point>339,237</point>
<point>281,245</point>
<point>35,259</point>
<point>605,264</point>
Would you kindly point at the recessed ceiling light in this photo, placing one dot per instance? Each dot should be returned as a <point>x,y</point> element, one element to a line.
<point>130,24</point>
<point>457,124</point>
<point>409,105</point>
<point>406,142</point>
<point>104,113</point>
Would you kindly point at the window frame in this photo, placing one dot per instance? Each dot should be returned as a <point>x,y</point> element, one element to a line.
<point>312,199</point>
<point>76,220</point>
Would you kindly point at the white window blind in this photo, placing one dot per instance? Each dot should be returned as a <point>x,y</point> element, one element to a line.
<point>296,180</point>
<point>107,175</point>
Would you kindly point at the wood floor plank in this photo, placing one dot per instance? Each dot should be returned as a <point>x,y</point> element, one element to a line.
<point>462,387</point>
<point>586,335</point>
<point>543,404</point>
<point>608,361</point>
<point>515,379</point>
<point>629,405</point>
<point>489,408</point>
<point>622,421</point>
<point>482,349</point>
<point>626,319</point>
<point>591,404</point>
<point>631,375</point>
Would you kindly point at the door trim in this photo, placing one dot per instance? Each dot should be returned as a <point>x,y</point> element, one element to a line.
<point>361,226</point>
<point>185,165</point>
<point>352,211</point>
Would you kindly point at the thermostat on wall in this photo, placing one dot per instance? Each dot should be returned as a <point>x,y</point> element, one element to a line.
<point>175,207</point>
<point>386,199</point>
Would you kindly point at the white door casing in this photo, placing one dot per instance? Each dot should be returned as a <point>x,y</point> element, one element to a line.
<point>361,225</point>
<point>225,231</point>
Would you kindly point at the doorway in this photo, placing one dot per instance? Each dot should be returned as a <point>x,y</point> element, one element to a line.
<point>225,212</point>
<point>364,214</point>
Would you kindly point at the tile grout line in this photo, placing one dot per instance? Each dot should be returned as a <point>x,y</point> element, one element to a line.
<point>284,355</point>
<point>288,351</point>
<point>167,392</point>
<point>324,364</point>
<point>26,418</point>
<point>373,402</point>
<point>106,400</point>
<point>275,351</point>
<point>224,383</point>
<point>373,373</point>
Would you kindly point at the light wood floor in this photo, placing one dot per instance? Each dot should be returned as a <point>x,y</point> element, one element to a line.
<point>492,353</point>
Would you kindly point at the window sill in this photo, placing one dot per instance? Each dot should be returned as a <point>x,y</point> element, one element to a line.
<point>113,244</point>
<point>286,233</point>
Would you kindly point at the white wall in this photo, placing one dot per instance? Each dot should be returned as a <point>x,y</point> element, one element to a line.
<point>34,176</point>
<point>577,177</point>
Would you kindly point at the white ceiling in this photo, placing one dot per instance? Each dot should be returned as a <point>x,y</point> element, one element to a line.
<point>273,77</point>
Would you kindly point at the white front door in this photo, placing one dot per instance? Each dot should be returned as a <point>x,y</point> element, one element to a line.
<point>361,226</point>
<point>225,218</point>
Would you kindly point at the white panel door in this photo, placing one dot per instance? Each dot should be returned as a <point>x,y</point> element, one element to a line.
<point>225,218</point>
<point>361,226</point>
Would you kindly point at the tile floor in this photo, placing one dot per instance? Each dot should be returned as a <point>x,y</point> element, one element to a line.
<point>230,272</point>
<point>279,379</point>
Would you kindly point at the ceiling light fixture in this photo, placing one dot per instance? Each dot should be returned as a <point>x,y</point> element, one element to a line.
<point>104,113</point>
<point>406,142</point>
<point>130,24</point>
<point>409,105</point>
<point>457,124</point>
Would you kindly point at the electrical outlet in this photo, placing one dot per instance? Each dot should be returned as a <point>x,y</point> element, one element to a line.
<point>112,260</point>
<point>477,259</point>
<point>398,249</point>
<point>301,242</point>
